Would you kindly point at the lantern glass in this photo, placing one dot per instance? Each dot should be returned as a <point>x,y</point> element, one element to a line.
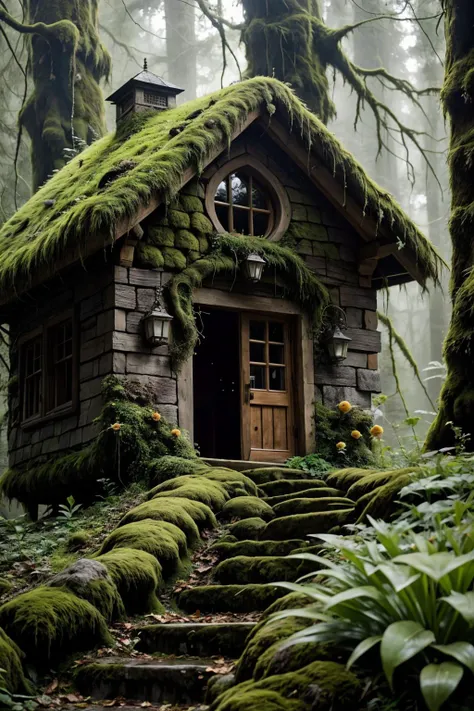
<point>338,345</point>
<point>253,267</point>
<point>157,327</point>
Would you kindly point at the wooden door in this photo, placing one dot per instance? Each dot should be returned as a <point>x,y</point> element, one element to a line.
<point>267,402</point>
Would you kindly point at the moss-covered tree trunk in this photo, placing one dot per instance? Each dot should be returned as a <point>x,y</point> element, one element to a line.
<point>284,38</point>
<point>457,396</point>
<point>67,62</point>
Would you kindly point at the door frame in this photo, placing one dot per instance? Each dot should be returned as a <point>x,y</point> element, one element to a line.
<point>304,395</point>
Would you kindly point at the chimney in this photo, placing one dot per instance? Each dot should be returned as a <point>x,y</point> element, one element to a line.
<point>143,92</point>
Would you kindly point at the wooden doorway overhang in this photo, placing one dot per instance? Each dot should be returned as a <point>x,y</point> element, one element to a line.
<point>304,361</point>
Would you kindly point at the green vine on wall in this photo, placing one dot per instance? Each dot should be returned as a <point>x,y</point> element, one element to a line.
<point>228,251</point>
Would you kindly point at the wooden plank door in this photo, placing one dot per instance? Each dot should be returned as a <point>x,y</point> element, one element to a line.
<point>267,402</point>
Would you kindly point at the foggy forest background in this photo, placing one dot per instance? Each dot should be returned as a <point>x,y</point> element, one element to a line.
<point>183,47</point>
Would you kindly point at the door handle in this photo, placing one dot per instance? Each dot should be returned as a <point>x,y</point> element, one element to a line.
<point>248,395</point>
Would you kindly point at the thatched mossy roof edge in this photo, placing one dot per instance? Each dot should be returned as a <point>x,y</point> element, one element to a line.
<point>69,208</point>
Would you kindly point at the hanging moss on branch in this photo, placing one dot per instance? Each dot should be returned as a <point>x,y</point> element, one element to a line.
<point>129,439</point>
<point>300,283</point>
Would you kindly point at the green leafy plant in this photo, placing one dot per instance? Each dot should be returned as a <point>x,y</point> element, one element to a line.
<point>15,702</point>
<point>313,464</point>
<point>69,510</point>
<point>397,601</point>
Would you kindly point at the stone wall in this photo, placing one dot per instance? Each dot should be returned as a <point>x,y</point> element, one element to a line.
<point>90,291</point>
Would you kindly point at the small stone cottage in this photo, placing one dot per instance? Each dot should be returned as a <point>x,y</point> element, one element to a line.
<point>223,254</point>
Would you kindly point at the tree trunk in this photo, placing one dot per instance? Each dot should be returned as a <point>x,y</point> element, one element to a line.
<point>181,46</point>
<point>457,396</point>
<point>281,40</point>
<point>67,61</point>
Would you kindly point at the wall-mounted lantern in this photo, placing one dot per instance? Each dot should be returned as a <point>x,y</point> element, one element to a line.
<point>157,322</point>
<point>333,323</point>
<point>253,267</point>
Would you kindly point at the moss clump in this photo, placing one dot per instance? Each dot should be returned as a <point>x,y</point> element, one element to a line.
<point>248,528</point>
<point>200,514</point>
<point>90,580</point>
<point>255,700</point>
<point>243,570</point>
<point>303,506</point>
<point>263,637</point>
<point>12,676</point>
<point>374,481</point>
<point>328,684</point>
<point>169,467</point>
<point>323,492</point>
<point>280,660</point>
<point>77,540</point>
<point>229,598</point>
<point>5,586</point>
<point>163,540</point>
<point>227,550</point>
<point>186,240</point>
<point>289,486</point>
<point>191,203</point>
<point>173,258</point>
<point>160,236</point>
<point>247,507</point>
<point>148,256</point>
<point>344,478</point>
<point>333,426</point>
<point>206,492</point>
<point>263,475</point>
<point>381,503</point>
<point>204,244</point>
<point>301,525</point>
<point>201,223</point>
<point>179,219</point>
<point>52,623</point>
<point>137,575</point>
<point>235,482</point>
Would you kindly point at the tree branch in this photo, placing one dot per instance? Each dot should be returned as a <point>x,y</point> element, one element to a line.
<point>217,23</point>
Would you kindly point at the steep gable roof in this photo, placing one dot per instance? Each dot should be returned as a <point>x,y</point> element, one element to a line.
<point>110,187</point>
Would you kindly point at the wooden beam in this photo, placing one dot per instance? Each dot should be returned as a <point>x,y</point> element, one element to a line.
<point>244,302</point>
<point>376,250</point>
<point>127,252</point>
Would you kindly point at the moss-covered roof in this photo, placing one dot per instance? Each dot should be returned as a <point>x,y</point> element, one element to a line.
<point>77,210</point>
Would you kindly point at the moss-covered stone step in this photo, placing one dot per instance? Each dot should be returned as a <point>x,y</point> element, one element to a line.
<point>301,525</point>
<point>313,493</point>
<point>256,548</point>
<point>167,681</point>
<point>288,486</point>
<point>263,475</point>
<point>200,639</point>
<point>229,598</point>
<point>248,569</point>
<point>302,505</point>
<point>247,529</point>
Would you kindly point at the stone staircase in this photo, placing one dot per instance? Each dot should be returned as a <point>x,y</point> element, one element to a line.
<point>178,659</point>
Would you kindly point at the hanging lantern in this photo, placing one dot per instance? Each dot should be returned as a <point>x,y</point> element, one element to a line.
<point>337,345</point>
<point>157,327</point>
<point>253,267</point>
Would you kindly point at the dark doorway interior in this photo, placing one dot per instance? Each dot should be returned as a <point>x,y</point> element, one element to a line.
<point>217,385</point>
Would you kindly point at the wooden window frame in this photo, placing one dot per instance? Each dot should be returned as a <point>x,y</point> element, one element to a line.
<point>281,206</point>
<point>46,413</point>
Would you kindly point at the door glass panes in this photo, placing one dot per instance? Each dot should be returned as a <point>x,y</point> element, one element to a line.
<point>277,378</point>
<point>276,354</point>
<point>258,330</point>
<point>267,355</point>
<point>243,206</point>
<point>257,353</point>
<point>257,377</point>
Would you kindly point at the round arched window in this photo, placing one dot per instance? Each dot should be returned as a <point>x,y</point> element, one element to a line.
<point>243,205</point>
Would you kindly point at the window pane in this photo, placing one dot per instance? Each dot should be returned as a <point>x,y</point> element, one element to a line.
<point>257,377</point>
<point>223,216</point>
<point>276,332</point>
<point>60,365</point>
<point>259,199</point>
<point>33,363</point>
<point>277,378</point>
<point>240,190</point>
<point>257,353</point>
<point>277,354</point>
<point>260,224</point>
<point>257,330</point>
<point>241,221</point>
<point>63,377</point>
<point>221,194</point>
